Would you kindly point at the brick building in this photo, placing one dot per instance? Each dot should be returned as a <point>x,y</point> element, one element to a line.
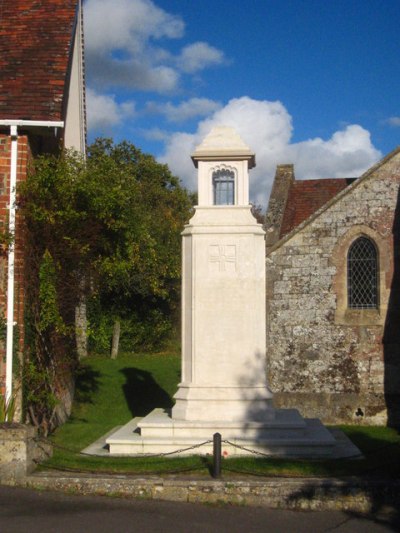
<point>42,109</point>
<point>333,290</point>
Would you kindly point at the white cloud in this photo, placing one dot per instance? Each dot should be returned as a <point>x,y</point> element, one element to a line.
<point>134,74</point>
<point>127,25</point>
<point>104,112</point>
<point>122,44</point>
<point>155,134</point>
<point>348,153</point>
<point>267,128</point>
<point>194,107</point>
<point>198,56</point>
<point>393,121</point>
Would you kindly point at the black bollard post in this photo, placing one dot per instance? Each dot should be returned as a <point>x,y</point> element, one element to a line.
<point>217,455</point>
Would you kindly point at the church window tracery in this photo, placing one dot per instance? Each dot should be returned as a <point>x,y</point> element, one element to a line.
<point>362,274</point>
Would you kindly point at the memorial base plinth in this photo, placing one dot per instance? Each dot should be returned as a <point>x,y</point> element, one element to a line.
<point>284,434</point>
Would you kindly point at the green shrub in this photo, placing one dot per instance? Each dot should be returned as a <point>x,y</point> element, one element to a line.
<point>142,331</point>
<point>7,408</point>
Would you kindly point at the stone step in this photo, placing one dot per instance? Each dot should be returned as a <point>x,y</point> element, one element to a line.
<point>284,424</point>
<point>311,440</point>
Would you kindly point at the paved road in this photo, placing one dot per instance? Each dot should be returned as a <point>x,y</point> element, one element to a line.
<point>28,511</point>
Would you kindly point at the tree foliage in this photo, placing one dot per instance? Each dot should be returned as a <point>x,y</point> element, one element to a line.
<point>108,229</point>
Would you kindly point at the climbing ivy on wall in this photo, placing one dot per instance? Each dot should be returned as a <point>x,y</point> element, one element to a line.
<point>106,230</point>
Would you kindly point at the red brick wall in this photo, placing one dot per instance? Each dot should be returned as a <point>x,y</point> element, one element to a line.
<point>24,156</point>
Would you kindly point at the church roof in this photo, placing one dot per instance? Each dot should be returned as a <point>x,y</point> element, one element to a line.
<point>305,197</point>
<point>36,42</point>
<point>386,166</point>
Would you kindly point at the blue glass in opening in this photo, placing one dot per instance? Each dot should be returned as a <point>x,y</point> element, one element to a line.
<point>224,187</point>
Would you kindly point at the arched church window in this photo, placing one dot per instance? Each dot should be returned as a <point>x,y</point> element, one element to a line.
<point>362,274</point>
<point>224,187</point>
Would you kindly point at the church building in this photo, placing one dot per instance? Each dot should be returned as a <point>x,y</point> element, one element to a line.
<point>42,110</point>
<point>333,295</point>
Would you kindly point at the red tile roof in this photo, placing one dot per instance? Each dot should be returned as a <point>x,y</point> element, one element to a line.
<point>305,197</point>
<point>35,47</point>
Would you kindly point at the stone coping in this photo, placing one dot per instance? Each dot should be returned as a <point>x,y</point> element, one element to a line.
<point>347,494</point>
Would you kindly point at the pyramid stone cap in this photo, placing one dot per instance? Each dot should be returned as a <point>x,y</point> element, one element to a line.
<point>223,143</point>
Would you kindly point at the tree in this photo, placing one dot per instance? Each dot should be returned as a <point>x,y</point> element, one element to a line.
<point>106,229</point>
<point>141,274</point>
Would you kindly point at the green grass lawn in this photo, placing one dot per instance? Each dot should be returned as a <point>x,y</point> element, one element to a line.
<point>108,394</point>
<point>111,392</point>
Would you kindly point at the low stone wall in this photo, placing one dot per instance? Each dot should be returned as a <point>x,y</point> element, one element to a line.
<point>20,451</point>
<point>353,494</point>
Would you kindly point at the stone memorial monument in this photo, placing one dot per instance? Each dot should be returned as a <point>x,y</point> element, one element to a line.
<point>224,384</point>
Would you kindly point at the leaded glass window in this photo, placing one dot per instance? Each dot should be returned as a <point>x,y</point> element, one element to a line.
<point>362,274</point>
<point>224,187</point>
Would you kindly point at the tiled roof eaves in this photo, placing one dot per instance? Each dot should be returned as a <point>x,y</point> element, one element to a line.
<point>35,47</point>
<point>307,196</point>
<point>335,199</point>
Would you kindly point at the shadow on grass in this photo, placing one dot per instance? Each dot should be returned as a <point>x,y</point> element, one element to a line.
<point>374,481</point>
<point>381,459</point>
<point>142,392</point>
<point>381,449</point>
<point>86,384</point>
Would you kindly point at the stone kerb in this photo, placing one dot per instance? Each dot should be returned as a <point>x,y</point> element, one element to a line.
<point>20,451</point>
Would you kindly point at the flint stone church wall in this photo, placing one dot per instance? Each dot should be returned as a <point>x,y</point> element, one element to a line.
<point>331,362</point>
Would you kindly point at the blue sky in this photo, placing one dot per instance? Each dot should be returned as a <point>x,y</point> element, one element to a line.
<point>309,82</point>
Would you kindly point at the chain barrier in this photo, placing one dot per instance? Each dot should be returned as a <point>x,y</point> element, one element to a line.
<point>225,466</point>
<point>256,452</point>
<point>332,459</point>
<point>141,456</point>
<point>65,449</point>
<point>164,454</point>
<point>121,473</point>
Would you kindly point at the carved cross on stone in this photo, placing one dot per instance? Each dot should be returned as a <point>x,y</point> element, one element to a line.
<point>224,256</point>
